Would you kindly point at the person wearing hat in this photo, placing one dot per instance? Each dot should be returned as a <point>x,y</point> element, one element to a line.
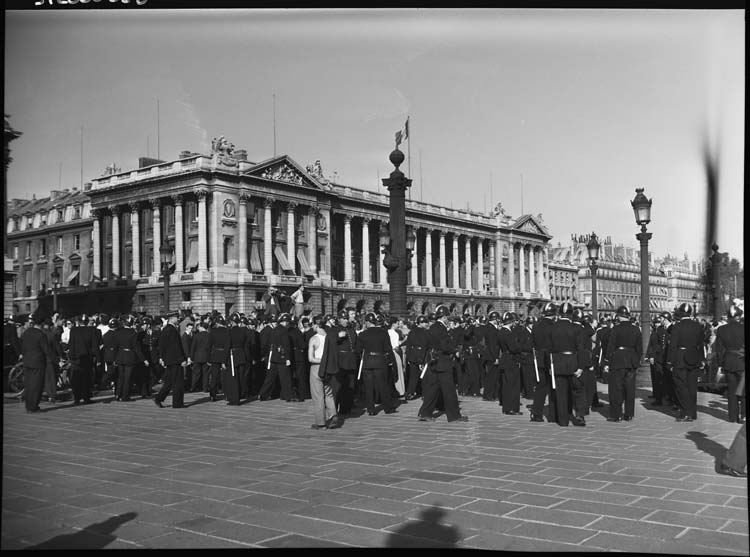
<point>438,379</point>
<point>374,347</point>
<point>601,338</point>
<point>656,352</point>
<point>36,355</point>
<point>586,358</point>
<point>543,387</point>
<point>108,352</point>
<point>490,336</point>
<point>173,359</point>
<point>83,350</point>
<point>415,345</point>
<point>300,380</point>
<point>128,356</point>
<point>218,354</point>
<point>510,371</point>
<point>235,377</point>
<point>344,337</point>
<point>624,351</point>
<point>146,376</point>
<point>730,355</point>
<point>279,361</point>
<point>566,348</point>
<point>271,301</point>
<point>199,356</point>
<point>525,341</point>
<point>471,384</point>
<point>686,356</point>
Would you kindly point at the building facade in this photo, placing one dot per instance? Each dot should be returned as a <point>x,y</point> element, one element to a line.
<point>230,228</point>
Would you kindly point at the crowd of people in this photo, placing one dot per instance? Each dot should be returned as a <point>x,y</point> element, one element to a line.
<point>553,360</point>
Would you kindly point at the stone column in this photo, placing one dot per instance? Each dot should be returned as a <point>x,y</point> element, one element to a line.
<point>267,238</point>
<point>415,262</point>
<point>522,267</point>
<point>242,225</point>
<point>325,260</point>
<point>291,232</point>
<point>116,247</point>
<point>456,273</point>
<point>441,243</point>
<point>135,226</point>
<point>428,257</point>
<point>366,276</point>
<point>467,262</point>
<point>544,265</point>
<point>511,267</point>
<point>382,271</point>
<point>156,223</point>
<point>96,241</point>
<point>493,273</point>
<point>532,278</point>
<point>499,265</point>
<point>480,264</point>
<point>179,234</point>
<point>347,248</point>
<point>202,194</point>
<point>312,243</point>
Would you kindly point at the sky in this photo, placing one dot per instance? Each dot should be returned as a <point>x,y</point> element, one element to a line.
<point>554,111</point>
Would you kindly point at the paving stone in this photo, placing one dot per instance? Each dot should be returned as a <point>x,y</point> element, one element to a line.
<point>636,528</point>
<point>666,504</point>
<point>717,511</point>
<point>189,540</point>
<point>296,540</point>
<point>347,516</point>
<point>380,491</point>
<point>736,527</point>
<point>685,519</point>
<point>719,540</point>
<point>551,532</point>
<point>603,509</point>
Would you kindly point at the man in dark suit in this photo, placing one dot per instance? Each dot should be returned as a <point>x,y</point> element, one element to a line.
<point>566,345</point>
<point>199,356</point>
<point>37,355</point>
<point>279,349</point>
<point>129,355</point>
<point>730,353</point>
<point>491,337</point>
<point>624,352</point>
<point>438,378</point>
<point>416,345</point>
<point>172,359</point>
<point>510,366</point>
<point>374,346</point>
<point>657,356</point>
<point>218,353</point>
<point>235,377</point>
<point>299,360</point>
<point>687,356</point>
<point>108,351</point>
<point>187,331</point>
<point>83,350</point>
<point>542,350</point>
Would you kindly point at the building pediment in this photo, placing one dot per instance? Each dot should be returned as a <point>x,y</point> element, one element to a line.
<point>531,224</point>
<point>284,169</point>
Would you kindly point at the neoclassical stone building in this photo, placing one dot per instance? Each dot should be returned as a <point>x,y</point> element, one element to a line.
<point>235,227</point>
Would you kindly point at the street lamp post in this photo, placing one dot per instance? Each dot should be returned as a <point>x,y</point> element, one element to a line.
<point>642,210</point>
<point>394,239</point>
<point>55,286</point>
<point>695,305</point>
<point>593,247</point>
<point>715,286</point>
<point>165,251</point>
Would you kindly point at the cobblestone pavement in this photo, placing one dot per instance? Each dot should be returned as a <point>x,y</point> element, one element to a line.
<point>131,475</point>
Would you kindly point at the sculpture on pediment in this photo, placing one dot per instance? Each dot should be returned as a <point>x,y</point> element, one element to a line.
<point>112,169</point>
<point>498,210</point>
<point>284,173</point>
<point>539,218</point>
<point>316,171</point>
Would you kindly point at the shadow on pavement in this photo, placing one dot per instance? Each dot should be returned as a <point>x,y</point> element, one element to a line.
<point>95,536</point>
<point>428,529</point>
<point>716,412</point>
<point>708,446</point>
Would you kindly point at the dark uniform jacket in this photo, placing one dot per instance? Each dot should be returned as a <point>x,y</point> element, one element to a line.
<point>492,343</point>
<point>625,346</point>
<point>470,343</point>
<point>525,341</point>
<point>686,344</point>
<point>416,344</point>
<point>109,348</point>
<point>11,343</point>
<point>35,349</point>
<point>565,344</point>
<point>82,343</point>
<point>602,339</point>
<point>542,342</point>
<point>129,351</point>
<point>347,358</point>
<point>218,345</point>
<point>730,346</point>
<point>442,348</point>
<point>374,345</point>
<point>658,344</point>
<point>508,347</point>
<point>280,346</point>
<point>239,338</point>
<point>187,341</point>
<point>255,351</point>
<point>170,346</point>
<point>299,346</point>
<point>586,357</point>
<point>264,335</point>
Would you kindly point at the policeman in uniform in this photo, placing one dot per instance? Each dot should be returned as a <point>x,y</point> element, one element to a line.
<point>510,370</point>
<point>525,341</point>
<point>686,355</point>
<point>218,353</point>
<point>344,338</point>
<point>730,352</point>
<point>657,356</point>
<point>542,350</point>
<point>83,350</point>
<point>235,386</point>
<point>416,355</point>
<point>280,351</point>
<point>491,338</point>
<point>587,357</point>
<point>374,346</point>
<point>624,351</point>
<point>472,360</point>
<point>299,360</point>
<point>439,376</point>
<point>128,356</point>
<point>199,356</point>
<point>566,345</point>
<point>173,359</point>
<point>36,355</point>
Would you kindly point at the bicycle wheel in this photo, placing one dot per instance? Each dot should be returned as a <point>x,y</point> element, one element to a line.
<point>15,379</point>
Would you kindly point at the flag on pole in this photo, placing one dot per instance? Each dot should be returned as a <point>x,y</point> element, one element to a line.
<point>406,128</point>
<point>402,135</point>
<point>399,137</point>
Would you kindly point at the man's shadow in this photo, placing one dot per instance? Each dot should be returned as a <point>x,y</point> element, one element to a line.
<point>425,532</point>
<point>94,536</point>
<point>708,446</point>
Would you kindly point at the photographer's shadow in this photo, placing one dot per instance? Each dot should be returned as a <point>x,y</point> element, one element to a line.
<point>427,531</point>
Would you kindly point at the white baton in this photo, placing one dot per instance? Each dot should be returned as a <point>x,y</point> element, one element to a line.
<point>362,361</point>
<point>536,365</point>
<point>552,371</point>
<point>424,369</point>
<point>269,360</point>
<point>231,360</point>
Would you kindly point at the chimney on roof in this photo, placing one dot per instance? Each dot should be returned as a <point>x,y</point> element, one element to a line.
<point>54,194</point>
<point>87,186</point>
<point>185,154</point>
<point>240,154</point>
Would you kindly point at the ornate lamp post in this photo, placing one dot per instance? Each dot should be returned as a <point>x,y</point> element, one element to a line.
<point>642,210</point>
<point>55,285</point>
<point>165,251</point>
<point>593,247</point>
<point>393,238</point>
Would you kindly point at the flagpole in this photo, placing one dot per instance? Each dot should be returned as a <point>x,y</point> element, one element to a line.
<point>274,125</point>
<point>408,150</point>
<point>420,175</point>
